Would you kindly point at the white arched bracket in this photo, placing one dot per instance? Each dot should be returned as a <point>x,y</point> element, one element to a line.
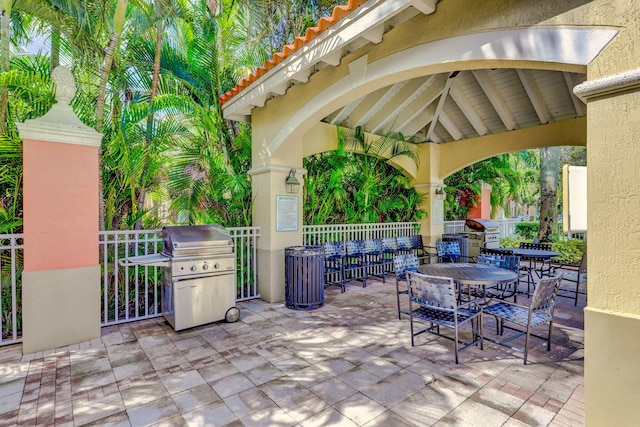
<point>628,81</point>
<point>553,45</point>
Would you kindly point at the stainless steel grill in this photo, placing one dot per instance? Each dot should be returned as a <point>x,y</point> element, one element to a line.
<point>482,233</point>
<point>199,284</point>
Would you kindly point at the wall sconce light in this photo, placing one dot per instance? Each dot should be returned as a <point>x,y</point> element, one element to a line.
<point>292,183</point>
<point>439,193</point>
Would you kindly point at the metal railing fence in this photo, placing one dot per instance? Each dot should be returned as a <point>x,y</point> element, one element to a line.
<point>11,265</point>
<point>132,293</point>
<point>507,227</point>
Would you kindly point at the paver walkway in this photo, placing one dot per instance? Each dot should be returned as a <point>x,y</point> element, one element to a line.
<point>349,363</point>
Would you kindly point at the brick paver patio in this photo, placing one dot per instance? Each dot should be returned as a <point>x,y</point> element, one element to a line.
<point>349,363</point>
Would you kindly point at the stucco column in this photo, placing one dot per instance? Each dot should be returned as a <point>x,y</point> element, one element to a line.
<point>61,278</point>
<point>279,215</point>
<point>427,183</point>
<point>612,317</point>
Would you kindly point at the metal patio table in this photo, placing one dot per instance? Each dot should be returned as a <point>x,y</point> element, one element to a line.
<point>468,274</point>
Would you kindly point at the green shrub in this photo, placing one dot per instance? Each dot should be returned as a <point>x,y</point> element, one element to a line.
<point>528,229</point>
<point>571,251</point>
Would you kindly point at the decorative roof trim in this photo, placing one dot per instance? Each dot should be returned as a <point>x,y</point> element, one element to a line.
<point>627,81</point>
<point>324,23</point>
<point>298,61</point>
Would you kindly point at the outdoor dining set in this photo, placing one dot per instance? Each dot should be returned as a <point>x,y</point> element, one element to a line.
<point>444,288</point>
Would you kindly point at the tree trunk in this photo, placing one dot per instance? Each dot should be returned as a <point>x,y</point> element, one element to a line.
<point>5,33</point>
<point>154,90</point>
<point>119,16</point>
<point>549,160</point>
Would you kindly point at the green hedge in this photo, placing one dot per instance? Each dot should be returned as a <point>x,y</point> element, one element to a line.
<point>527,229</point>
<point>571,250</point>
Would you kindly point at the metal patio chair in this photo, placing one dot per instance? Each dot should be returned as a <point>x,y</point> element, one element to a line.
<point>389,249</point>
<point>355,264</point>
<point>433,299</point>
<point>450,252</point>
<point>417,247</point>
<point>402,264</point>
<point>509,262</point>
<point>334,254</point>
<point>577,275</point>
<point>374,257</point>
<point>524,319</point>
<point>544,267</point>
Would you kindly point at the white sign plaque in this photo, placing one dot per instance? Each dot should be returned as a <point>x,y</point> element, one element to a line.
<point>286,213</point>
<point>437,212</point>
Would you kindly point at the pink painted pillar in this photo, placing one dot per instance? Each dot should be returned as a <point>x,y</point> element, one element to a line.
<point>483,208</point>
<point>61,278</point>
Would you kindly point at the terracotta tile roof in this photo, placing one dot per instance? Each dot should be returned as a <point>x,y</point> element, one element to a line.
<point>326,22</point>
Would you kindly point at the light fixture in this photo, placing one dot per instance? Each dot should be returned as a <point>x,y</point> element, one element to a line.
<point>292,183</point>
<point>439,193</point>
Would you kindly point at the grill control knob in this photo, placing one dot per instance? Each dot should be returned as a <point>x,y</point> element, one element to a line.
<point>205,266</point>
<point>194,268</point>
<point>217,266</point>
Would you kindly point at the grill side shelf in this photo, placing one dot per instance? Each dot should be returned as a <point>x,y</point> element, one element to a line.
<point>153,260</point>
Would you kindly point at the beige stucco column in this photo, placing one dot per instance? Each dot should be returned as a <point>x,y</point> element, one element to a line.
<point>427,183</point>
<point>279,215</point>
<point>612,317</point>
<point>61,278</point>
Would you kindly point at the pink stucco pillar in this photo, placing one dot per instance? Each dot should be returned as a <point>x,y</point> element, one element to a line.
<point>61,278</point>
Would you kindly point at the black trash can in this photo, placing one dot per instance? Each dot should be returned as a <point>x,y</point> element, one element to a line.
<point>304,277</point>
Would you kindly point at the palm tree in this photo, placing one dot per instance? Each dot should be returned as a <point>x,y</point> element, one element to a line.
<point>345,187</point>
<point>512,177</point>
<point>549,162</point>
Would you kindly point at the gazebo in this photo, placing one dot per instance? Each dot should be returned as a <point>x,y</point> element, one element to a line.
<point>470,80</point>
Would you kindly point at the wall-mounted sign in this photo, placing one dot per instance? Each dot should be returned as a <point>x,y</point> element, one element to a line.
<point>286,213</point>
<point>437,212</point>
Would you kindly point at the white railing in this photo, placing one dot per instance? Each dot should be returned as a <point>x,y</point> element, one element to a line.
<point>451,227</point>
<point>129,293</point>
<point>507,227</point>
<point>11,256</point>
<point>133,292</point>
<point>318,234</point>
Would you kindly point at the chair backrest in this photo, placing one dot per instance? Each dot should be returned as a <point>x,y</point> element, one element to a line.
<point>432,291</point>
<point>448,249</point>
<point>404,243</point>
<point>355,247</point>
<point>510,262</point>
<point>583,264</point>
<point>484,250</point>
<point>416,242</point>
<point>389,244</point>
<point>490,259</point>
<point>403,263</point>
<point>373,246</point>
<point>333,249</point>
<point>544,296</point>
<point>539,246</point>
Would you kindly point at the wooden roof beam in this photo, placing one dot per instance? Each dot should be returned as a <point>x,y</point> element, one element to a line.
<point>495,99</point>
<point>526,77</point>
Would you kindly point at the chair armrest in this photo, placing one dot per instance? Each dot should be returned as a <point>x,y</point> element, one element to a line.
<point>514,304</point>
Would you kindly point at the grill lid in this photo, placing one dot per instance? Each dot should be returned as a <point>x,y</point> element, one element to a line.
<point>478,224</point>
<point>182,240</point>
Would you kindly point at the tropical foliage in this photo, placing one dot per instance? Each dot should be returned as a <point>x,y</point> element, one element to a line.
<point>512,176</point>
<point>149,75</point>
<point>344,186</point>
